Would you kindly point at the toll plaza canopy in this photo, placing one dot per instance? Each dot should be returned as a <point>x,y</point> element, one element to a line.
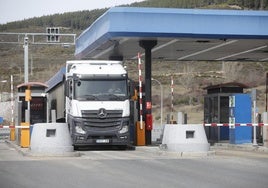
<point>175,34</point>
<point>180,34</point>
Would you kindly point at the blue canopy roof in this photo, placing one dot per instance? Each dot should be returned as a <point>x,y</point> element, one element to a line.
<point>120,28</point>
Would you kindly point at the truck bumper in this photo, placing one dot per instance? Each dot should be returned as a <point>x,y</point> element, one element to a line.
<point>118,134</point>
<point>87,140</point>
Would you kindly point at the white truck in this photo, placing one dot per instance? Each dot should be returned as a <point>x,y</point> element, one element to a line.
<point>94,102</point>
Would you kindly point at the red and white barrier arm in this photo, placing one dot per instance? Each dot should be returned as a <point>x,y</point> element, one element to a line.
<point>235,124</point>
<point>13,127</point>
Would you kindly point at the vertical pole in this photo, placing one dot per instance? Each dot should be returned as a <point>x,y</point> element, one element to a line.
<point>254,97</point>
<point>219,118</point>
<point>266,88</point>
<point>28,99</point>
<point>148,78</point>
<point>26,59</point>
<point>31,64</point>
<point>140,91</point>
<point>148,92</point>
<point>12,99</point>
<point>12,130</point>
<point>140,129</point>
<point>254,124</point>
<point>172,98</point>
<point>29,112</point>
<point>19,112</point>
<point>161,88</point>
<point>147,45</point>
<point>48,107</point>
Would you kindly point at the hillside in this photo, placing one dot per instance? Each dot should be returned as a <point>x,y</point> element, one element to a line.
<point>189,77</point>
<point>80,20</point>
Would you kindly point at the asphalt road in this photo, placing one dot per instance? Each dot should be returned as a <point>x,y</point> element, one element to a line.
<point>144,167</point>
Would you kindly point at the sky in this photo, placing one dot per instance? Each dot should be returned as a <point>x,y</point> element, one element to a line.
<point>16,10</point>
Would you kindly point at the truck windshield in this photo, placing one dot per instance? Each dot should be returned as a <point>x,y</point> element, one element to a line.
<point>101,90</point>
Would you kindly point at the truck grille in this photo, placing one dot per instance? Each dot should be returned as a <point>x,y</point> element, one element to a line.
<point>92,119</point>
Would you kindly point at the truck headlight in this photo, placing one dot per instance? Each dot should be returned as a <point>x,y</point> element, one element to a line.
<point>79,129</point>
<point>124,129</point>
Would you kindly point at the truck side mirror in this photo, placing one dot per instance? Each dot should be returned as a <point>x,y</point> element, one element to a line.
<point>68,89</point>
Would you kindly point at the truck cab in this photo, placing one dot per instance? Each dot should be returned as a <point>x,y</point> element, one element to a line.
<point>97,102</point>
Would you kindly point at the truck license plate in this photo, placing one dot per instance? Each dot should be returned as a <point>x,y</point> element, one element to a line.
<point>102,141</point>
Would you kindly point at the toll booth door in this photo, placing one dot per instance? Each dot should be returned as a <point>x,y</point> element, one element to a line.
<point>37,110</point>
<point>241,113</point>
<point>224,117</point>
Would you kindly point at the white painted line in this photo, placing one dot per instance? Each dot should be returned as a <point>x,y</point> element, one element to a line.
<point>240,53</point>
<point>207,50</point>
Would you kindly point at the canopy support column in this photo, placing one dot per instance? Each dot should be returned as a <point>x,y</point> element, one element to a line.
<point>148,45</point>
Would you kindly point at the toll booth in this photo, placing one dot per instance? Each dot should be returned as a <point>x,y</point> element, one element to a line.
<point>38,109</point>
<point>227,103</point>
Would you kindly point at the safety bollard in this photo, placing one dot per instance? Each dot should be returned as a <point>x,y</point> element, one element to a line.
<point>25,135</point>
<point>140,133</point>
<point>12,134</point>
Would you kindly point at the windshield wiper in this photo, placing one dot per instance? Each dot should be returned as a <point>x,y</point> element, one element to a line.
<point>89,97</point>
<point>115,97</point>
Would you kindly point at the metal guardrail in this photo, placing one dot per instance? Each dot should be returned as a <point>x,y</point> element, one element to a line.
<point>4,134</point>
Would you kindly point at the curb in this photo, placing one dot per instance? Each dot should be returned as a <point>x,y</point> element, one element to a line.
<point>162,151</point>
<point>240,147</point>
<point>27,152</point>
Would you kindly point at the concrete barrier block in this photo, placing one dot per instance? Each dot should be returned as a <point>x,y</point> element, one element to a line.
<point>185,138</point>
<point>50,139</point>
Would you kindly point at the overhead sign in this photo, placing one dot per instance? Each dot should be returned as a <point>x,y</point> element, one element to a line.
<point>52,34</point>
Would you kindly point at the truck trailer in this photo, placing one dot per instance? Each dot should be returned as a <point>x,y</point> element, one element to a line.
<point>92,97</point>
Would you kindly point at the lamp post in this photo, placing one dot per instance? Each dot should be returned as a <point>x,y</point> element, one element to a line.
<point>161,96</point>
<point>26,62</point>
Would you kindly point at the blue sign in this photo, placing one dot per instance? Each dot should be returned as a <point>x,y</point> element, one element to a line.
<point>241,114</point>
